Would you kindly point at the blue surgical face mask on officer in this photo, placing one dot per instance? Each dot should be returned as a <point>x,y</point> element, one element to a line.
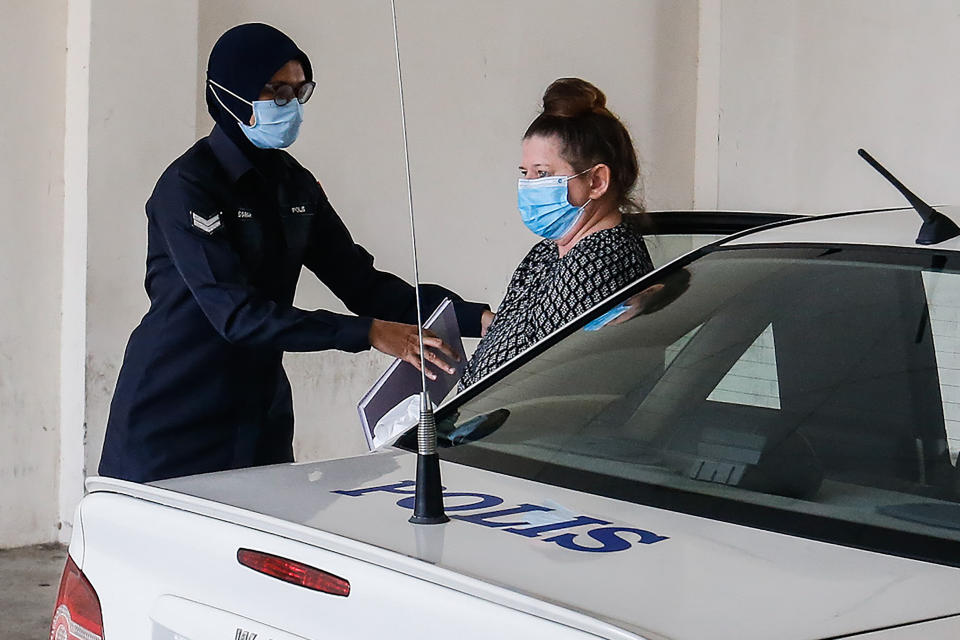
<point>545,208</point>
<point>274,127</point>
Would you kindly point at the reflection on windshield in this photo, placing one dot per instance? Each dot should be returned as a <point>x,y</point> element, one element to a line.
<point>820,382</point>
<point>943,304</point>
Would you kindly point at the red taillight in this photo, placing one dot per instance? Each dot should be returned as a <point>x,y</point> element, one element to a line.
<point>296,573</point>
<point>76,615</point>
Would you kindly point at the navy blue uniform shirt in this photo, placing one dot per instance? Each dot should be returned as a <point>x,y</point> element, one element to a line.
<point>202,387</point>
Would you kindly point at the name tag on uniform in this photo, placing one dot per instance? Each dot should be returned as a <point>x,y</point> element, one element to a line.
<point>244,214</point>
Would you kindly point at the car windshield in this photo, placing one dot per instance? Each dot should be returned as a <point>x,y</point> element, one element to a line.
<point>808,390</point>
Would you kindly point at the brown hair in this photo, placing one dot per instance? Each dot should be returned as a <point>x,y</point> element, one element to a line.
<point>575,111</point>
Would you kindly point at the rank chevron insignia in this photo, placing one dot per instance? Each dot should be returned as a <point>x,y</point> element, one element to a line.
<point>207,224</point>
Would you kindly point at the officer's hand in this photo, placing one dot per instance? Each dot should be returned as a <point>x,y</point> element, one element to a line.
<point>485,321</point>
<point>401,341</point>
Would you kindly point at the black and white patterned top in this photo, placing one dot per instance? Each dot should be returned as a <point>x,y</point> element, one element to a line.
<point>547,291</point>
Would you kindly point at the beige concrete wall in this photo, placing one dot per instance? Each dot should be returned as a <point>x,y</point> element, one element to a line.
<point>32,44</point>
<point>73,317</point>
<point>474,73</point>
<point>802,85</point>
<point>142,116</point>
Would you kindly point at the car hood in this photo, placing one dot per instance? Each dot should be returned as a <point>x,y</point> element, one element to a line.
<point>654,572</point>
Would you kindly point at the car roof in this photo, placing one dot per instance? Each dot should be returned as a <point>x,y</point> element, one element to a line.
<point>888,227</point>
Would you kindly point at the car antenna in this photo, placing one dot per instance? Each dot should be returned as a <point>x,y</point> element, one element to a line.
<point>936,227</point>
<point>428,503</point>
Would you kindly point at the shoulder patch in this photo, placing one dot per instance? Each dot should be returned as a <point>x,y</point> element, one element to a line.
<point>208,223</point>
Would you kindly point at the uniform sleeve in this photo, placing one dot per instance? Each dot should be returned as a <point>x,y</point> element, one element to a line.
<point>347,269</point>
<point>212,271</point>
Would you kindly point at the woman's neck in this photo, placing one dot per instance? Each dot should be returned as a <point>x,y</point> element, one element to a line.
<point>607,218</point>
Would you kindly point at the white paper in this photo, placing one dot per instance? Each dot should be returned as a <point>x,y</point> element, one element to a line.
<point>397,421</point>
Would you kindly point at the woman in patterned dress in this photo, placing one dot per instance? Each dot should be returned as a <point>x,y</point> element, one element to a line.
<point>578,171</point>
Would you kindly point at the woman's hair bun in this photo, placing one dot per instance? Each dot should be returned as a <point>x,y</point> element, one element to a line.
<point>575,114</point>
<point>571,97</point>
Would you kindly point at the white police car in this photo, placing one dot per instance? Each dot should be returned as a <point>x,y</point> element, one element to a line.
<point>759,441</point>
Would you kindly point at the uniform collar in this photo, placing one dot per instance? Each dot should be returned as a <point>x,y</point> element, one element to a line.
<point>233,159</point>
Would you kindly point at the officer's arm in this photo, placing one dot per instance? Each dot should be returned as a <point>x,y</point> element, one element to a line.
<point>347,269</point>
<point>212,271</point>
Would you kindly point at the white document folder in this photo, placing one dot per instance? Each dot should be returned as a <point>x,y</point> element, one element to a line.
<point>399,386</point>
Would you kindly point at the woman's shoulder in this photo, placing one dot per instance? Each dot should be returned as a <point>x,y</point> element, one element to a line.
<point>539,252</point>
<point>194,168</point>
<point>293,166</point>
<point>608,244</point>
<point>197,162</point>
<point>616,254</point>
<point>195,179</point>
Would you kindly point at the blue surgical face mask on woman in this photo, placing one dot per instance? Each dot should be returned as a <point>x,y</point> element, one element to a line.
<point>545,208</point>
<point>275,126</point>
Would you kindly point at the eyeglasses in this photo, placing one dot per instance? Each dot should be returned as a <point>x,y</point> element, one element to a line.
<point>283,93</point>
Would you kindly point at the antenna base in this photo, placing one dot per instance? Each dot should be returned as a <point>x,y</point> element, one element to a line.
<point>937,229</point>
<point>428,503</point>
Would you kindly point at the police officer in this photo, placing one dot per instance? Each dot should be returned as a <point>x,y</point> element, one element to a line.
<point>229,226</point>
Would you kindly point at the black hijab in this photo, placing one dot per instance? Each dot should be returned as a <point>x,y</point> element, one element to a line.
<point>243,60</point>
